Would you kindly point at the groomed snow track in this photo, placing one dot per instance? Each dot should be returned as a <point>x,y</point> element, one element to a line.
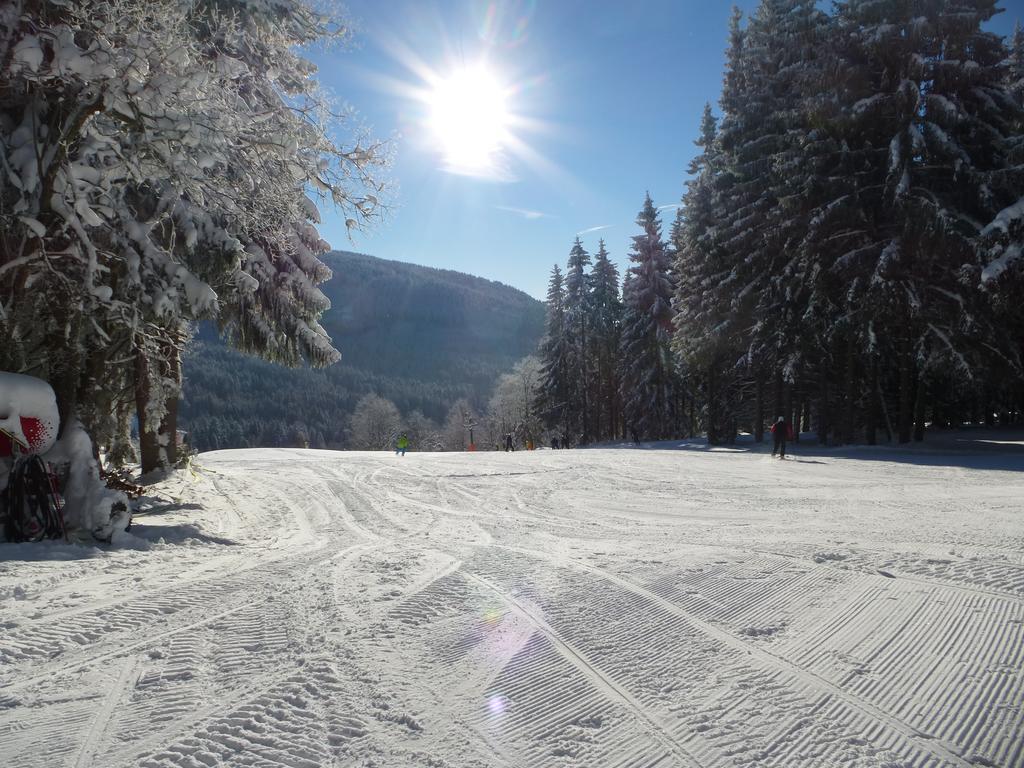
<point>600,608</point>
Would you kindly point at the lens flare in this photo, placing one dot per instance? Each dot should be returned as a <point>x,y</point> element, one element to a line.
<point>492,616</point>
<point>497,704</point>
<point>506,24</point>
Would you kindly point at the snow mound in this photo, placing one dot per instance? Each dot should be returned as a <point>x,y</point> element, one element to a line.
<point>88,504</point>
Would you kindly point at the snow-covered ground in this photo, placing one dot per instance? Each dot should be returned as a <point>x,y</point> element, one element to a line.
<point>590,608</point>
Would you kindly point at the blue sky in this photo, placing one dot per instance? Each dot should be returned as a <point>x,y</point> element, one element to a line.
<point>605,99</point>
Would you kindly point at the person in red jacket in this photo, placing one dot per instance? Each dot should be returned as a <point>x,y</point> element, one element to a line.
<point>781,433</point>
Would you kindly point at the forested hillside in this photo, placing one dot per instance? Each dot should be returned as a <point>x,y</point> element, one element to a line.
<point>420,337</point>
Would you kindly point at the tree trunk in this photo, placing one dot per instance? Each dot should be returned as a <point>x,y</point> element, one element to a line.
<point>759,415</point>
<point>906,415</point>
<point>798,408</point>
<point>122,451</point>
<point>149,447</point>
<point>169,424</point>
<point>712,407</point>
<point>850,391</point>
<point>584,384</point>
<point>64,374</point>
<point>919,410</point>
<point>777,397</point>
<point>823,408</point>
<point>871,425</point>
<point>787,402</point>
<point>889,433</point>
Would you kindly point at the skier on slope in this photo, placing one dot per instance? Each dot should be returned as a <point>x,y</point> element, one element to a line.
<point>401,444</point>
<point>509,445</point>
<point>780,432</point>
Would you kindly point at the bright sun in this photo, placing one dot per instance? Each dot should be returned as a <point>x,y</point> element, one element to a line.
<point>469,119</point>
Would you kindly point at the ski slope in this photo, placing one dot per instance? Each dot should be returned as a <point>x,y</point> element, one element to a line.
<point>599,608</point>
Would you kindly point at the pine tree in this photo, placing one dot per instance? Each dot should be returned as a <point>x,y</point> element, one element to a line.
<point>577,312</point>
<point>925,102</point>
<point>762,194</point>
<point>647,368</point>
<point>695,256</point>
<point>556,356</point>
<point>605,324</point>
<point>713,229</point>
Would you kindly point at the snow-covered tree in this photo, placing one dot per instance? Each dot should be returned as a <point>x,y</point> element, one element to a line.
<point>374,425</point>
<point>556,355</point>
<point>461,418</point>
<point>423,434</point>
<point>577,318</point>
<point>605,324</point>
<point>155,160</point>
<point>705,350</point>
<point>513,406</point>
<point>758,192</point>
<point>849,234</point>
<point>647,369</point>
<point>925,100</point>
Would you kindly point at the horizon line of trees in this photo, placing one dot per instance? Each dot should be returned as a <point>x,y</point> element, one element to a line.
<point>376,422</point>
<point>847,252</point>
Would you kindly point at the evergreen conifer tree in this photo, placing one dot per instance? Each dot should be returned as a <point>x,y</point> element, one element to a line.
<point>761,195</point>
<point>605,324</point>
<point>556,359</point>
<point>647,369</point>
<point>577,317</point>
<point>695,270</point>
<point>926,102</point>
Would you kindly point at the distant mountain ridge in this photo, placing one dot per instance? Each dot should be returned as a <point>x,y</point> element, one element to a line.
<point>420,336</point>
<point>377,305</point>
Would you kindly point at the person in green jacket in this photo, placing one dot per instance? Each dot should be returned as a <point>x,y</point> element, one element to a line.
<point>401,445</point>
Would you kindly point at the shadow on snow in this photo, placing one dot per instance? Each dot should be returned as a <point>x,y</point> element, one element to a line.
<point>969,448</point>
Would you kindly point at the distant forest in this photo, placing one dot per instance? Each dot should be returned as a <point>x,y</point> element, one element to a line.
<point>422,338</point>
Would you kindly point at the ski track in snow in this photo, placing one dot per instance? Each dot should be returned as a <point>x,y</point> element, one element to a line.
<point>599,608</point>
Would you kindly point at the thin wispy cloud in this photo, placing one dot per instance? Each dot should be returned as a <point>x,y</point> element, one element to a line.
<point>672,206</point>
<point>594,229</point>
<point>524,212</point>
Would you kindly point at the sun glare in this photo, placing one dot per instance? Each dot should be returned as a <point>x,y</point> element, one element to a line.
<point>469,120</point>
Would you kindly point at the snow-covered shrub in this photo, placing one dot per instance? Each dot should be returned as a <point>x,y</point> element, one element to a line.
<point>88,504</point>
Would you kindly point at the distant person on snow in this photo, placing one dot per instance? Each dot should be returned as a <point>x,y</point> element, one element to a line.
<point>508,442</point>
<point>554,442</point>
<point>781,432</point>
<point>401,445</point>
